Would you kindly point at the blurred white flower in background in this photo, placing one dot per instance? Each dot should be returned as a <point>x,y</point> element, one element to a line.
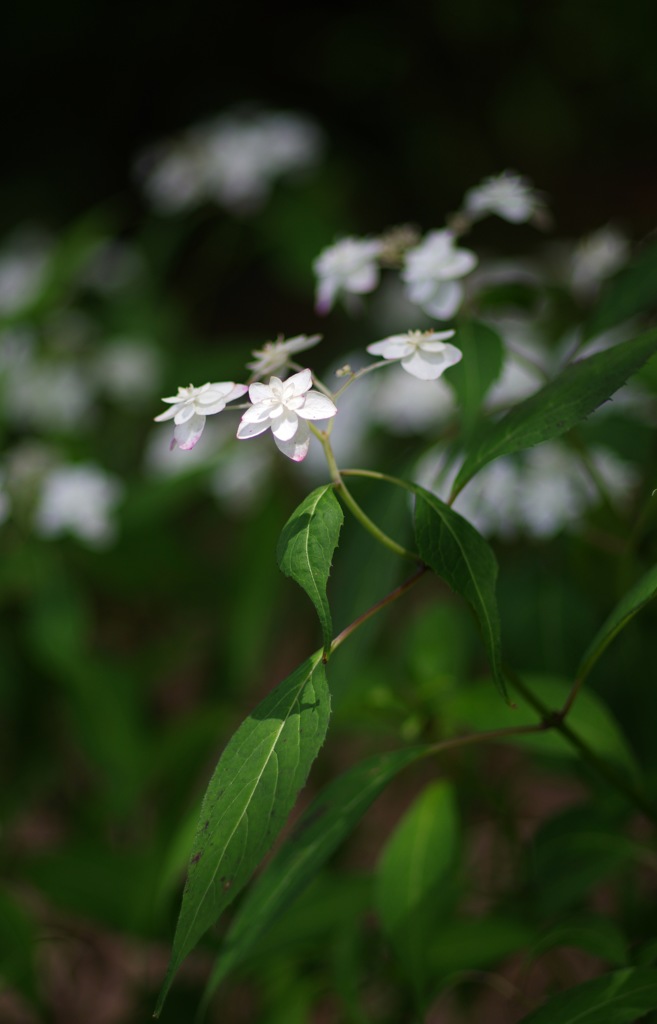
<point>112,266</point>
<point>431,270</point>
<point>24,262</point>
<point>232,160</point>
<point>404,405</point>
<point>536,493</point>
<point>349,267</point>
<point>189,408</point>
<point>128,369</point>
<point>596,257</point>
<point>508,195</point>
<point>48,395</point>
<point>285,406</point>
<point>423,354</point>
<point>79,499</point>
<point>275,355</point>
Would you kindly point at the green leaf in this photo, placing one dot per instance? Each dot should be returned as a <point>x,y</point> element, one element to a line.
<point>629,292</point>
<point>328,821</point>
<point>306,546</point>
<point>596,935</point>
<point>625,610</point>
<point>452,547</point>
<point>477,708</point>
<point>250,795</point>
<point>560,405</point>
<point>483,356</point>
<point>414,879</point>
<point>616,998</point>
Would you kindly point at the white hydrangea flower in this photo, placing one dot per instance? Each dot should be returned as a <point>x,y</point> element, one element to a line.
<point>430,271</point>
<point>275,355</point>
<point>423,354</point>
<point>79,499</point>
<point>509,195</point>
<point>232,160</point>
<point>128,369</point>
<point>5,503</point>
<point>191,405</point>
<point>350,266</point>
<point>285,406</point>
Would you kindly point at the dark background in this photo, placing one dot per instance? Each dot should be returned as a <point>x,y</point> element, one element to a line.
<point>421,99</point>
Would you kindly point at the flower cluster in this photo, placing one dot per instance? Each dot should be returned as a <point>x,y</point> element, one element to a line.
<point>232,160</point>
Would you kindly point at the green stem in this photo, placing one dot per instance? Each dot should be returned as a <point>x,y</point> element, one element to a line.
<point>388,599</point>
<point>353,505</point>
<point>555,720</point>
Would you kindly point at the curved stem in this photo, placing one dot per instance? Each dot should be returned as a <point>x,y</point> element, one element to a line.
<point>353,505</point>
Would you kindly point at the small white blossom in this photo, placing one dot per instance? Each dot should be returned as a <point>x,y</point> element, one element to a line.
<point>81,500</point>
<point>430,271</point>
<point>285,406</point>
<point>508,195</point>
<point>128,369</point>
<point>191,405</point>
<point>275,355</point>
<point>423,354</point>
<point>350,266</point>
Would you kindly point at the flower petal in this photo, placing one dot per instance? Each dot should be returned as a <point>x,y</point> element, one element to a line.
<point>187,433</point>
<point>257,413</point>
<point>184,413</point>
<point>299,383</point>
<point>246,429</point>
<point>297,447</point>
<point>431,365</point>
<point>445,301</point>
<point>259,392</point>
<point>285,427</point>
<point>317,407</point>
<point>168,414</point>
<point>395,347</point>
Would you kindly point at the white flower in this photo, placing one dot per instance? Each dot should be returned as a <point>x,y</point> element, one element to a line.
<point>509,195</point>
<point>128,369</point>
<point>275,355</point>
<point>191,405</point>
<point>348,266</point>
<point>423,354</point>
<point>597,257</point>
<point>79,499</point>
<point>430,271</point>
<point>279,405</point>
<point>233,160</point>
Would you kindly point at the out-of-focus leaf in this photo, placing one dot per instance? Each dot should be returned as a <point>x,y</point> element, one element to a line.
<point>476,708</point>
<point>250,795</point>
<point>560,405</point>
<point>452,547</point>
<point>483,355</point>
<point>625,610</point>
<point>616,998</point>
<point>306,546</point>
<point>598,936</point>
<point>328,821</point>
<point>567,867</point>
<point>474,943</point>
<point>414,878</point>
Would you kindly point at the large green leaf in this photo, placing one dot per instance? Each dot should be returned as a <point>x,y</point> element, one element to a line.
<point>414,878</point>
<point>306,546</point>
<point>328,821</point>
<point>560,405</point>
<point>625,610</point>
<point>483,356</point>
<point>616,998</point>
<point>250,795</point>
<point>452,547</point>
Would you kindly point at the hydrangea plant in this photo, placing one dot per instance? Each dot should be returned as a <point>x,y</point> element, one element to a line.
<point>502,422</point>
